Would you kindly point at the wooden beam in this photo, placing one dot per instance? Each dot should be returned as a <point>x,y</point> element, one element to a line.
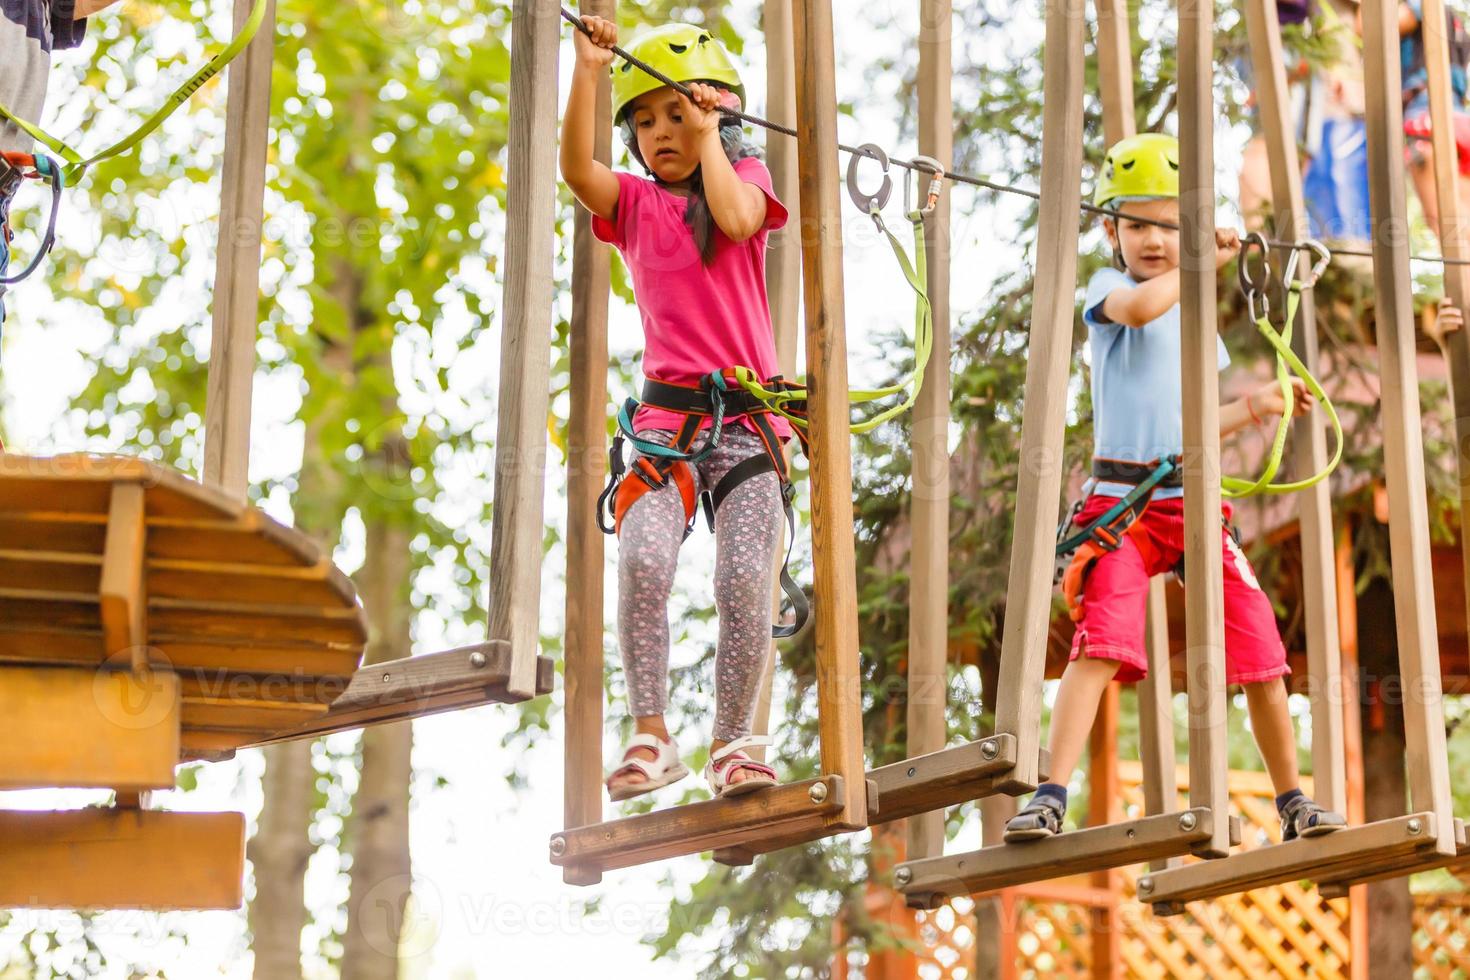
<point>1115,69</point>
<point>1309,438</point>
<point>108,729</point>
<point>928,783</point>
<point>1403,444</point>
<point>1395,867</point>
<point>1273,864</point>
<point>1158,758</point>
<point>1352,729</point>
<point>789,809</point>
<point>783,271</point>
<point>833,558</point>
<point>1205,601</point>
<point>586,472</point>
<point>1105,806</point>
<point>525,347</point>
<point>928,677</point>
<point>123,599</point>
<point>1039,488</point>
<point>237,261</point>
<point>935,880</point>
<point>1453,243</point>
<point>122,859</point>
<point>401,690</point>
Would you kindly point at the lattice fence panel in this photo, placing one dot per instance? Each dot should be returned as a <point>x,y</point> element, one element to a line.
<point>1054,940</point>
<point>1442,936</point>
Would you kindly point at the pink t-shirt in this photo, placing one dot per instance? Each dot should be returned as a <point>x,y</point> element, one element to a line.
<point>696,318</point>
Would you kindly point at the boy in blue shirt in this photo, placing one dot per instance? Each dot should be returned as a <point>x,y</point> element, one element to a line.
<point>1132,316</point>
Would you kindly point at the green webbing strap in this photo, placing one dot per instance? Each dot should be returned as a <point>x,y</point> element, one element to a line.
<point>916,272</point>
<point>1287,364</point>
<point>77,164</point>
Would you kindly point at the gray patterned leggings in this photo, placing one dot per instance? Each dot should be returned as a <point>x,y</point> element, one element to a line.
<point>747,531</point>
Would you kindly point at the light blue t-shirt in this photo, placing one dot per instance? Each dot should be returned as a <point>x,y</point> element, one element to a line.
<point>1137,404</point>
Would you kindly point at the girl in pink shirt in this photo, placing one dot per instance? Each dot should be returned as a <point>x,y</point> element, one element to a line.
<point>693,235</point>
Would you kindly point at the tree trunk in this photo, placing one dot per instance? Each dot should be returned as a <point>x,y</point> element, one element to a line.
<point>278,853</point>
<point>1385,790</point>
<point>281,848</point>
<point>381,876</point>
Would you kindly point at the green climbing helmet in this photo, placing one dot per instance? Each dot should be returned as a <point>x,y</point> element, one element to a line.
<point>684,53</point>
<point>1142,166</point>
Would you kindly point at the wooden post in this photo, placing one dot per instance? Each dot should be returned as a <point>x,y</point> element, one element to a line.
<point>1028,610</point>
<point>835,601</point>
<point>1403,443</point>
<point>1347,629</point>
<point>929,558</point>
<point>525,349</point>
<point>1157,756</point>
<point>1115,69</point>
<point>783,265</point>
<point>1453,244</point>
<point>237,260</point>
<point>586,464</point>
<point>1104,806</point>
<point>1205,610</point>
<point>1308,438</point>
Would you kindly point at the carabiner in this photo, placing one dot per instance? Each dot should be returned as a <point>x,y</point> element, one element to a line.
<point>935,169</point>
<point>1258,304</point>
<point>1324,259</point>
<point>870,204</point>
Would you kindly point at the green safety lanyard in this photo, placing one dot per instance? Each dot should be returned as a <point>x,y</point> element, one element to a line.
<point>76,164</point>
<point>1287,365</point>
<point>915,271</point>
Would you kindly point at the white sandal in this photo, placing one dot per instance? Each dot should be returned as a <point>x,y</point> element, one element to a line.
<point>731,757</point>
<point>658,772</point>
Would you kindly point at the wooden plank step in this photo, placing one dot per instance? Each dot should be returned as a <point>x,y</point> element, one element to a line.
<point>46,608</point>
<point>122,859</point>
<point>1291,861</point>
<point>932,881</point>
<point>88,729</point>
<point>1398,867</point>
<point>794,808</point>
<point>286,689</point>
<point>401,690</point>
<point>919,785</point>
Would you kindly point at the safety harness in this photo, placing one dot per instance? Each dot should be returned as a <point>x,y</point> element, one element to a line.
<point>717,400</point>
<point>16,168</point>
<point>1078,551</point>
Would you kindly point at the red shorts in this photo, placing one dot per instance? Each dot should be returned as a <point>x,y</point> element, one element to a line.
<point>1418,129</point>
<point>1115,600</point>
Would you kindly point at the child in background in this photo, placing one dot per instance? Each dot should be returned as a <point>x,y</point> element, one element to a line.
<point>693,235</point>
<point>1132,316</point>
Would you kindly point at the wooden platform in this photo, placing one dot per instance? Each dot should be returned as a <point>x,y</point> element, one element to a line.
<point>115,563</point>
<point>933,881</point>
<point>1408,837</point>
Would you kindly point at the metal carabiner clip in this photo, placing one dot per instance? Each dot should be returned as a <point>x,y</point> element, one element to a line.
<point>935,170</point>
<point>869,204</point>
<point>1323,260</point>
<point>1258,304</point>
